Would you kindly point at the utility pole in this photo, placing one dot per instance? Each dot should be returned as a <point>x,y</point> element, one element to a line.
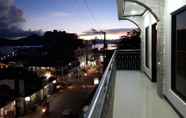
<point>104,49</point>
<point>105,46</point>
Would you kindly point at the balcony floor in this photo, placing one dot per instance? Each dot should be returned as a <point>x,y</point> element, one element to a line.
<point>136,97</point>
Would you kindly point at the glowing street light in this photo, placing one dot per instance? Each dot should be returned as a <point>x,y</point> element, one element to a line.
<point>48,75</point>
<point>27,99</point>
<point>54,81</point>
<point>96,81</point>
<point>102,58</point>
<point>82,65</point>
<point>85,74</point>
<point>44,110</point>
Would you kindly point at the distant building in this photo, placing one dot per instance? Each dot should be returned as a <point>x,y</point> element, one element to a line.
<point>27,88</point>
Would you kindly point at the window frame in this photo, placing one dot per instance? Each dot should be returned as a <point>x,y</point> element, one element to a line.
<point>173,51</point>
<point>147,64</point>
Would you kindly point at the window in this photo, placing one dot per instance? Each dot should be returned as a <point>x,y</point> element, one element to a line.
<point>147,47</point>
<point>179,53</point>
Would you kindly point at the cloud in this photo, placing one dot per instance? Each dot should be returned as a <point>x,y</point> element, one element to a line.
<point>59,14</point>
<point>11,20</point>
<point>108,31</point>
<point>10,15</point>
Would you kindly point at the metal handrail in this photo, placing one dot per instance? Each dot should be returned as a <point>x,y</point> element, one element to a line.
<point>128,50</point>
<point>100,87</point>
<point>104,94</point>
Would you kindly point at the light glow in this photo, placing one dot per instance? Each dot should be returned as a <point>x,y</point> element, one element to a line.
<point>133,12</point>
<point>43,110</point>
<point>82,65</point>
<point>54,81</point>
<point>48,75</point>
<point>96,81</point>
<point>85,74</point>
<point>27,99</point>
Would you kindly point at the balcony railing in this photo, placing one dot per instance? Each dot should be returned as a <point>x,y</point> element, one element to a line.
<point>102,103</point>
<point>128,60</point>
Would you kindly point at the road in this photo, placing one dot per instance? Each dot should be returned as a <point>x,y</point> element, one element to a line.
<point>74,98</point>
<point>70,100</point>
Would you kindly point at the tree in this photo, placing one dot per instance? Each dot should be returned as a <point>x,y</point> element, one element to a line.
<point>132,41</point>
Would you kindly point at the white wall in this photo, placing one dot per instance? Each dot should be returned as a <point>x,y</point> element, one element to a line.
<point>149,20</point>
<point>170,6</point>
<point>163,10</point>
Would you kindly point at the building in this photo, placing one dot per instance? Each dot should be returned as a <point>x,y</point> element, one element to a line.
<point>27,89</point>
<point>162,56</point>
<point>7,102</point>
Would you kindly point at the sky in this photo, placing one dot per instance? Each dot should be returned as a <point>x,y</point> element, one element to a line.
<point>75,16</point>
<point>71,15</point>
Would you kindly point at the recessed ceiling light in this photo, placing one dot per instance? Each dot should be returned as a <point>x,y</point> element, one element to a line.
<point>133,12</point>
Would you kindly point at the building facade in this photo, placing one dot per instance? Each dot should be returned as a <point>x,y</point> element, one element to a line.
<point>162,53</point>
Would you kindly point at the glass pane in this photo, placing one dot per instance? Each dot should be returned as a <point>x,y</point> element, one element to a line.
<point>132,8</point>
<point>179,82</point>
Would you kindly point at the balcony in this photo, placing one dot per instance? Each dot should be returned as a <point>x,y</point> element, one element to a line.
<point>126,92</point>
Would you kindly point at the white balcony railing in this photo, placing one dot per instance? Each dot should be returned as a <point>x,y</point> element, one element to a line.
<point>102,103</point>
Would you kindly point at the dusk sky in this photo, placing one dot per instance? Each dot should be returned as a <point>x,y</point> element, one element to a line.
<point>71,15</point>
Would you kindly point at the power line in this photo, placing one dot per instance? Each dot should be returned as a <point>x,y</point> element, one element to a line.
<point>90,12</point>
<point>92,19</point>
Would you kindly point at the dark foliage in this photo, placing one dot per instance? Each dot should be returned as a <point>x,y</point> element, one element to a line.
<point>56,48</point>
<point>61,45</point>
<point>130,42</point>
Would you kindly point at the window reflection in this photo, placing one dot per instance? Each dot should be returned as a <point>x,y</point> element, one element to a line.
<point>179,53</point>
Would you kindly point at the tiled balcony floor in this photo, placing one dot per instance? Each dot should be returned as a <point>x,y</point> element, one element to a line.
<point>136,97</point>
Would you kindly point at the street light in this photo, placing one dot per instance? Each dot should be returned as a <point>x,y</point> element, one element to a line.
<point>96,81</point>
<point>27,99</point>
<point>104,34</point>
<point>82,65</point>
<point>54,81</point>
<point>48,75</point>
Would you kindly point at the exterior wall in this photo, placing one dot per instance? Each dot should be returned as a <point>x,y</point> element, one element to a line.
<point>149,20</point>
<point>8,111</point>
<point>162,9</point>
<point>160,49</point>
<point>171,6</point>
<point>24,107</point>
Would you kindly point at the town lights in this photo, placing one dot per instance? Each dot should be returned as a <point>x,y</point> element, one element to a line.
<point>58,86</point>
<point>85,74</point>
<point>14,103</point>
<point>91,63</point>
<point>46,87</point>
<point>94,63</point>
<point>101,58</point>
<point>27,99</point>
<point>54,81</point>
<point>48,75</point>
<point>44,110</point>
<point>96,81</point>
<point>82,65</point>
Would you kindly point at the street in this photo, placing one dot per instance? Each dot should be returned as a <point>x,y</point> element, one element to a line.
<point>69,102</point>
<point>66,102</point>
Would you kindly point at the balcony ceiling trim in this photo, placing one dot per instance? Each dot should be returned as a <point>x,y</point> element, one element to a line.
<point>121,9</point>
